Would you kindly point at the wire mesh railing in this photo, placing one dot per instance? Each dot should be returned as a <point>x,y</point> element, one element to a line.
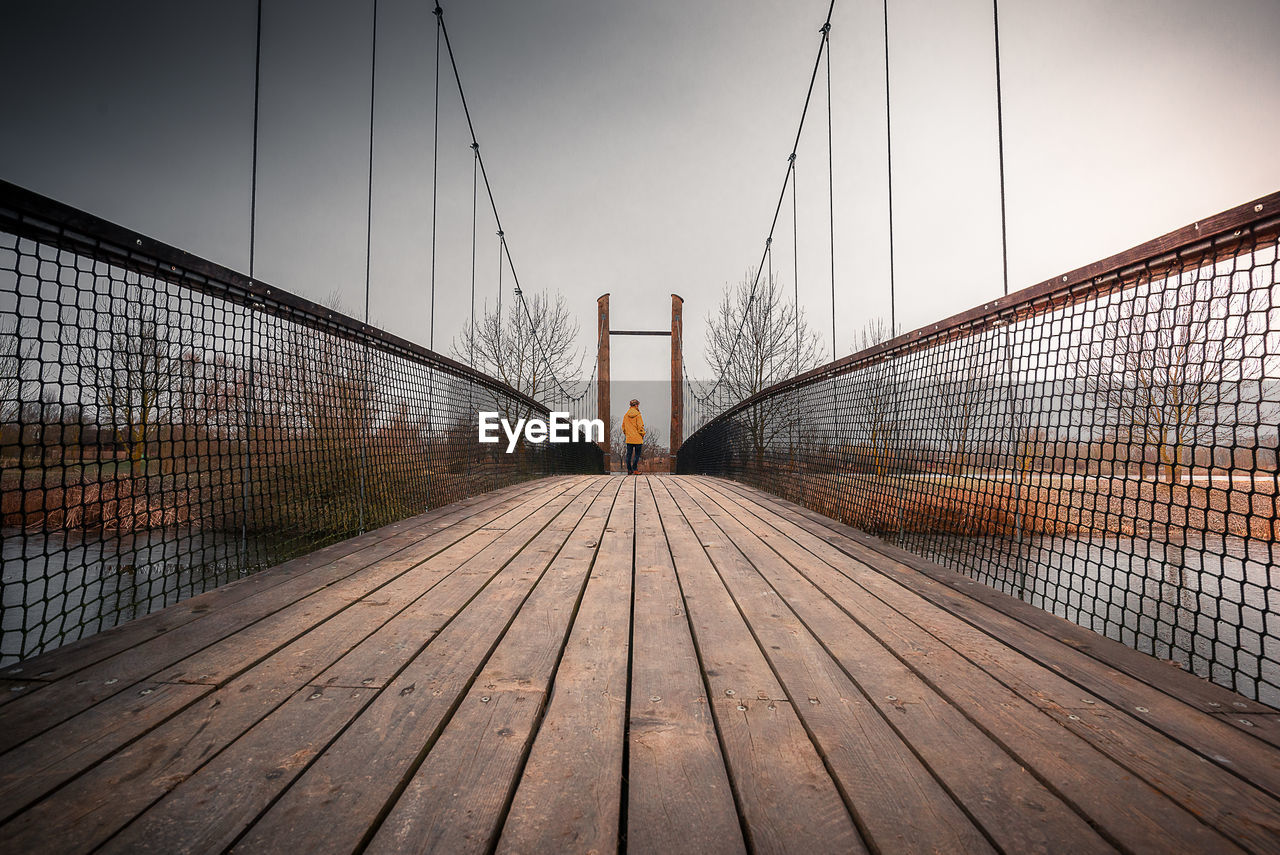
<point>1102,445</point>
<point>167,425</point>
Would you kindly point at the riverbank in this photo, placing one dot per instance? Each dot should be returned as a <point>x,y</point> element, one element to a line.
<point>983,504</point>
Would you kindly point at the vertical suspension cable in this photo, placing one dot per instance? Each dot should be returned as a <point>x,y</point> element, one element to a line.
<point>831,185</point>
<point>373,81</point>
<point>253,170</point>
<point>1011,357</point>
<point>1004,227</point>
<point>501,252</point>
<point>253,236</point>
<point>475,178</point>
<point>435,180</point>
<point>888,135</point>
<point>368,253</point>
<point>795,255</point>
<point>768,254</point>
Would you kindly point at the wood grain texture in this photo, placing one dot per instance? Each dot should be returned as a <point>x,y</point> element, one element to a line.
<point>457,798</point>
<point>365,769</point>
<point>213,622</point>
<point>895,797</point>
<point>655,664</point>
<point>1143,815</point>
<point>766,747</point>
<point>1127,677</point>
<point>70,658</point>
<point>678,793</point>
<point>570,792</point>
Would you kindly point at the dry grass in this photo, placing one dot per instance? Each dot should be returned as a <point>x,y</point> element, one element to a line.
<point>1051,505</point>
<point>124,504</point>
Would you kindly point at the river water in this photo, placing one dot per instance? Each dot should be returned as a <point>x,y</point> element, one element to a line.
<point>1212,605</point>
<point>58,586</point>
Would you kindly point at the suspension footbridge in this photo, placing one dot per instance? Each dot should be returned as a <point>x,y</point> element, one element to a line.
<point>1006,582</point>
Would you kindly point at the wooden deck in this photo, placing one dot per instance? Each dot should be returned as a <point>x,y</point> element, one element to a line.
<point>659,663</point>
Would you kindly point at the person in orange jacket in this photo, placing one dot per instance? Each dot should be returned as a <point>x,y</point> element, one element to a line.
<point>633,431</point>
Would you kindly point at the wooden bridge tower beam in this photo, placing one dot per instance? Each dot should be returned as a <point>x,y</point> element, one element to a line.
<point>602,369</point>
<point>677,372</point>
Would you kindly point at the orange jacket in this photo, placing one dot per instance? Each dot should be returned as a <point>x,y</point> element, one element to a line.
<point>633,426</point>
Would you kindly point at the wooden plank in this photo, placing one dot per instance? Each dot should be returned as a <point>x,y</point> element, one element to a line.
<point>457,799</point>
<point>1010,696</point>
<point>366,768</point>
<point>206,812</point>
<point>37,766</point>
<point>766,748</point>
<point>84,652</point>
<point>678,793</point>
<point>63,698</point>
<point>569,795</point>
<point>171,753</point>
<point>11,690</point>
<point>377,660</point>
<point>898,802</point>
<point>1185,686</point>
<point>407,573</point>
<point>76,743</point>
<point>1219,739</point>
<point>1016,811</point>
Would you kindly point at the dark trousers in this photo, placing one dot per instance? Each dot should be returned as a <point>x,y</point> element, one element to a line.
<point>633,456</point>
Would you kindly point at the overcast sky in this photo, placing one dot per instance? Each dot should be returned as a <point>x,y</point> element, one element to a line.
<point>638,147</point>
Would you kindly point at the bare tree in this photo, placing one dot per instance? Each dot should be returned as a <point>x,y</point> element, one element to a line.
<point>873,396</point>
<point>960,399</point>
<point>532,352</point>
<point>10,374</point>
<point>131,368</point>
<point>1167,358</point>
<point>755,340</point>
<point>19,368</point>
